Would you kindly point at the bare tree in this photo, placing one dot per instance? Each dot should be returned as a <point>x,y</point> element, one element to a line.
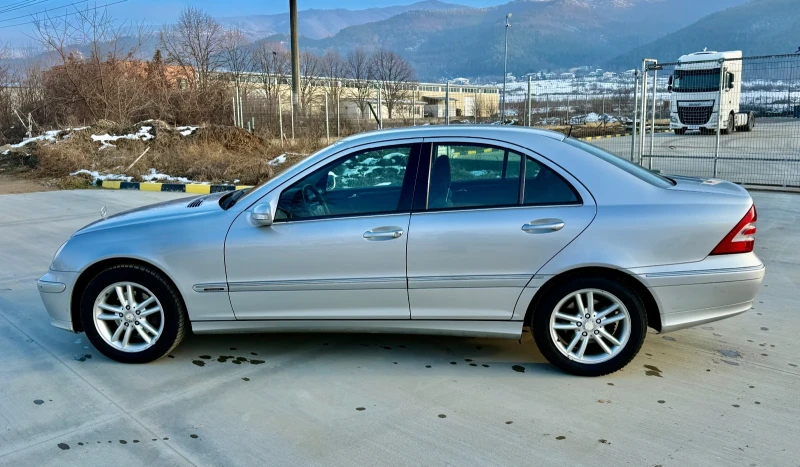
<point>394,75</point>
<point>98,73</point>
<point>271,61</point>
<point>333,67</point>
<point>310,70</point>
<point>358,70</point>
<point>195,44</point>
<point>237,55</point>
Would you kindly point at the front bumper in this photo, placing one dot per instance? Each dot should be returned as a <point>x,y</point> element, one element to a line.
<point>55,288</point>
<point>713,289</point>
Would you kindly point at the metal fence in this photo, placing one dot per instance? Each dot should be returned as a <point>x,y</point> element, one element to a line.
<point>664,116</point>
<point>675,125</point>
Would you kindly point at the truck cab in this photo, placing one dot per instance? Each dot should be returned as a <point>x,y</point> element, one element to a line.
<point>705,91</point>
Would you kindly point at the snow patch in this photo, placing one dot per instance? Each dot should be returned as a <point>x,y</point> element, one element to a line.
<point>278,160</point>
<point>154,175</point>
<point>186,130</point>
<point>102,176</point>
<point>143,134</point>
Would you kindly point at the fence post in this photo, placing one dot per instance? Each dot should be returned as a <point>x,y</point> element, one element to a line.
<point>280,110</point>
<point>327,122</point>
<point>233,103</point>
<point>568,108</point>
<point>635,112</point>
<point>338,127</point>
<point>719,113</point>
<point>643,125</point>
<point>604,110</point>
<point>546,108</point>
<point>447,103</point>
<point>653,122</point>
<point>414,106</point>
<point>292,99</point>
<point>380,109</point>
<point>529,100</point>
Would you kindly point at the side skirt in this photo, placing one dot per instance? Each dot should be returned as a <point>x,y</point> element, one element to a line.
<point>498,329</point>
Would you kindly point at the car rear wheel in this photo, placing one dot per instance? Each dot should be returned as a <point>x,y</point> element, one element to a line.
<point>589,326</point>
<point>132,314</point>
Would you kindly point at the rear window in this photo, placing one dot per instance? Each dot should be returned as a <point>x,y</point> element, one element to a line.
<point>628,166</point>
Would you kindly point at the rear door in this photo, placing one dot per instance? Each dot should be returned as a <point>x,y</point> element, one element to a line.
<point>492,216</point>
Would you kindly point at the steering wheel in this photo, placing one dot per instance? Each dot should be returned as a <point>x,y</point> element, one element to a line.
<point>314,201</point>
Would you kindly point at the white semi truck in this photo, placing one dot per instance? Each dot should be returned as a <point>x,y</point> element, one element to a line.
<point>696,102</point>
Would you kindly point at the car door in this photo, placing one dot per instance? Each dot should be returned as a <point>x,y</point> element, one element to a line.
<point>492,216</point>
<point>337,246</point>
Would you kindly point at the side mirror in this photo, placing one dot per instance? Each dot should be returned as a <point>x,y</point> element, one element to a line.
<point>669,84</point>
<point>730,80</point>
<point>669,88</point>
<point>260,216</point>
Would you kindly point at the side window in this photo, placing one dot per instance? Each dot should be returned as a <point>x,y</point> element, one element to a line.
<point>545,187</point>
<point>366,182</point>
<point>464,176</point>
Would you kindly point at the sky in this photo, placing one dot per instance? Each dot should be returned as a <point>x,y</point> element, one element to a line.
<point>16,15</point>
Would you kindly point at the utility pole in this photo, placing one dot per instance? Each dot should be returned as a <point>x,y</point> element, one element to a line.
<point>505,73</point>
<point>295,55</point>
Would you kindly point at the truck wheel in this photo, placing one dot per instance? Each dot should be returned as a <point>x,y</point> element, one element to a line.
<point>751,122</point>
<point>731,125</point>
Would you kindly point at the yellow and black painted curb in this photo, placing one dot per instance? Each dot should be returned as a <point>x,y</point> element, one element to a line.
<point>197,188</point>
<point>595,138</point>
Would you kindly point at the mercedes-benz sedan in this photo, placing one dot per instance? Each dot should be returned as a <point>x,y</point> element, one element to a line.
<point>461,230</point>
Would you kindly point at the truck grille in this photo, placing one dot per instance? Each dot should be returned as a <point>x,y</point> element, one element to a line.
<point>695,115</point>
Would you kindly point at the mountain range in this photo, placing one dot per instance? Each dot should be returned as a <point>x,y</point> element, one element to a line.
<point>444,40</point>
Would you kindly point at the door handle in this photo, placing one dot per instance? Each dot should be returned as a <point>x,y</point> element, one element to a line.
<point>543,226</point>
<point>383,233</point>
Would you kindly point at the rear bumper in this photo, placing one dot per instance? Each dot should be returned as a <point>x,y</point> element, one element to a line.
<point>55,288</point>
<point>713,289</point>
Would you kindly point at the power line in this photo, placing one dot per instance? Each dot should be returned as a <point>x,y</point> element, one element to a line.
<point>14,6</point>
<point>62,16</point>
<point>43,11</point>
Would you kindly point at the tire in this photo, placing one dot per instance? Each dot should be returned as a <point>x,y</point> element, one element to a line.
<point>595,361</point>
<point>747,127</point>
<point>731,125</point>
<point>680,131</point>
<point>167,314</point>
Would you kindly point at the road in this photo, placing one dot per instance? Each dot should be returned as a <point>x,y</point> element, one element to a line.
<point>720,394</point>
<point>769,155</point>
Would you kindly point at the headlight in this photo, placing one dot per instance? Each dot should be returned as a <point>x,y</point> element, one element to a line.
<point>58,252</point>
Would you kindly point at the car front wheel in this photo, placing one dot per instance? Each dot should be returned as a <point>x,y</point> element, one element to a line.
<point>589,326</point>
<point>132,314</point>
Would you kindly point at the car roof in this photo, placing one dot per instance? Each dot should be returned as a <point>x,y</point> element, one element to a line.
<point>500,132</point>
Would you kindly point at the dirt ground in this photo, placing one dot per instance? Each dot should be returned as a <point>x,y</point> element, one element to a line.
<point>11,185</point>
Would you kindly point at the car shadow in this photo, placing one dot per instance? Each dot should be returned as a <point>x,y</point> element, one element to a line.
<point>421,351</point>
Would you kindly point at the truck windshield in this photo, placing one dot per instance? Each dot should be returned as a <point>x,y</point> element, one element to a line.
<point>696,80</point>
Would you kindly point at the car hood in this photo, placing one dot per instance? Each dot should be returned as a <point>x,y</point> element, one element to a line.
<point>182,207</point>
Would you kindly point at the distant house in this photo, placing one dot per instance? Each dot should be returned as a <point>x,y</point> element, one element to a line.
<point>462,81</point>
<point>609,75</point>
<point>567,75</point>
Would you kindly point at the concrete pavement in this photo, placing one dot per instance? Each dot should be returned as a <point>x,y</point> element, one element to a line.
<point>719,394</point>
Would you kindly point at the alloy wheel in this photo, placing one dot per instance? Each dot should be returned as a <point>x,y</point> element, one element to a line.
<point>590,326</point>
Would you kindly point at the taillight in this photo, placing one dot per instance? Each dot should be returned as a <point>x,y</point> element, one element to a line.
<point>742,238</point>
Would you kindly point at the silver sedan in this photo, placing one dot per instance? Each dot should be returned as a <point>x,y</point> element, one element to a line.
<point>460,230</point>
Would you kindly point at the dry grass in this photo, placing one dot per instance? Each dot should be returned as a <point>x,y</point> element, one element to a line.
<point>213,154</point>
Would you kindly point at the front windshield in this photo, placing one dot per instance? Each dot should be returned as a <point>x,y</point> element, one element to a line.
<point>293,161</point>
<point>696,80</point>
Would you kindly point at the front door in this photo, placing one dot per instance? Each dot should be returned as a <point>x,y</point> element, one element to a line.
<point>337,246</point>
<point>492,218</point>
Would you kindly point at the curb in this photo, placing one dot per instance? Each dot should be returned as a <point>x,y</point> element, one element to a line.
<point>196,188</point>
<point>595,138</point>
